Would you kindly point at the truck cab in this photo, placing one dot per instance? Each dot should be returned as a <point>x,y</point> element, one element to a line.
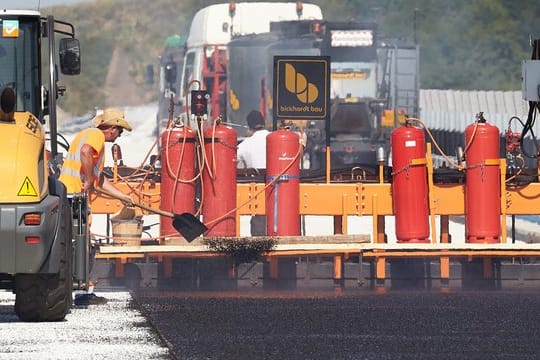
<point>213,27</point>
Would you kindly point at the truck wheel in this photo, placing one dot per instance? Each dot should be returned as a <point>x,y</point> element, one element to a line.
<point>48,297</point>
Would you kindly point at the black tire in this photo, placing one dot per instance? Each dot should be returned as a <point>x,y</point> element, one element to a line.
<point>48,297</point>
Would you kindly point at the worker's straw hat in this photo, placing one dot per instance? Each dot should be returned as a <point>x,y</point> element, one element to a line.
<point>111,117</point>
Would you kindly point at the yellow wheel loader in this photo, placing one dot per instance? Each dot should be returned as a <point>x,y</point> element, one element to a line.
<point>43,233</point>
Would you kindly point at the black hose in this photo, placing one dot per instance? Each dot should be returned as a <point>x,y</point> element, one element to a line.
<point>528,127</point>
<point>533,106</point>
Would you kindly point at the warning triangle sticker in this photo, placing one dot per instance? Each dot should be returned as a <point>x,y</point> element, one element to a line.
<point>27,189</point>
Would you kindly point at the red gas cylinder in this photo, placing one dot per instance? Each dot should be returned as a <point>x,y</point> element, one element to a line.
<point>177,175</point>
<point>409,185</point>
<point>283,197</point>
<point>219,181</point>
<point>482,183</point>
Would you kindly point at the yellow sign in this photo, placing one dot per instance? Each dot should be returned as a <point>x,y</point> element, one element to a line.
<point>301,87</point>
<point>27,189</point>
<point>10,28</point>
<point>360,75</point>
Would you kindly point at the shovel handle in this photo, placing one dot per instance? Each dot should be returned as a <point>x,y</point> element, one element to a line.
<point>142,206</point>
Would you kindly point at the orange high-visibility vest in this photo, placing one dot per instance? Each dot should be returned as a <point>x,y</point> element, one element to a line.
<point>72,174</point>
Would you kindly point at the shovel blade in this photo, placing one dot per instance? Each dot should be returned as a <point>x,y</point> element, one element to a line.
<point>188,226</point>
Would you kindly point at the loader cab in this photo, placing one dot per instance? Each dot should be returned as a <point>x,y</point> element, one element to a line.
<point>19,54</point>
<point>20,59</point>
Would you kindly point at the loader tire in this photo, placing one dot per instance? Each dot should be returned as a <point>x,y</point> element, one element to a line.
<point>48,297</point>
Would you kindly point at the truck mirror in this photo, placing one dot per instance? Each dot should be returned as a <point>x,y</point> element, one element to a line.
<point>70,56</point>
<point>170,72</point>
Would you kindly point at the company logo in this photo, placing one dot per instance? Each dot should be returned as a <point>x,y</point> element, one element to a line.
<point>297,83</point>
<point>301,87</point>
<point>285,156</point>
<point>10,28</point>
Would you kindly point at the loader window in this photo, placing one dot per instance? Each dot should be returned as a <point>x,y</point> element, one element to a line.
<point>19,63</point>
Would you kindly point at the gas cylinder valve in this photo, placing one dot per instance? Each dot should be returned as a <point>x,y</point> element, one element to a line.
<point>514,156</point>
<point>480,117</point>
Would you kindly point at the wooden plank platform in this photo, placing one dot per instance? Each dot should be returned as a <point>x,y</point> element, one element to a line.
<point>326,243</point>
<point>449,246</point>
<point>331,244</point>
<point>449,250</point>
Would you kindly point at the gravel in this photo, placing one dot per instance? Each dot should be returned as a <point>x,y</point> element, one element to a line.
<point>114,330</point>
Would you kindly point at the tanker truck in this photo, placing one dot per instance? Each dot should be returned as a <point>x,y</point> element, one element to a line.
<point>212,28</point>
<point>372,83</point>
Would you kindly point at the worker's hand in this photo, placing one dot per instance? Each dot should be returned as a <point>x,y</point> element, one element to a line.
<point>88,185</point>
<point>127,200</point>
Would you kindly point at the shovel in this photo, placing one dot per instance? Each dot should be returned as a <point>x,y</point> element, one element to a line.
<point>186,224</point>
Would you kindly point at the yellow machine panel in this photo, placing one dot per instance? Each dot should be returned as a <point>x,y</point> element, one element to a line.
<point>23,147</point>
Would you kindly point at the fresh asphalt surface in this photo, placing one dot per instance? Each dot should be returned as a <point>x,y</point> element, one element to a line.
<point>499,324</point>
<point>255,324</point>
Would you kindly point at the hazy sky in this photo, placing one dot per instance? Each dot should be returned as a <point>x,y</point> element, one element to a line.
<point>34,4</point>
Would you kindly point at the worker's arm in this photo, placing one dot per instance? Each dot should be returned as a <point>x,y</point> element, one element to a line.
<point>87,165</point>
<point>109,187</point>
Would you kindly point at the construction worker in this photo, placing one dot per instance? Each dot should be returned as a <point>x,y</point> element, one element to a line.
<point>83,166</point>
<point>82,170</point>
<point>251,154</point>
